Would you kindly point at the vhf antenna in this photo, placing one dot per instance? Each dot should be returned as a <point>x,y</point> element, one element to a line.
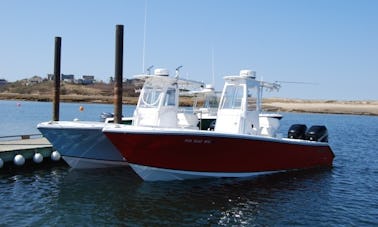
<point>177,71</point>
<point>149,70</point>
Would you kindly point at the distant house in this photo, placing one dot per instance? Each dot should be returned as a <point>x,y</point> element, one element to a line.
<point>3,82</point>
<point>69,78</point>
<point>50,76</point>
<point>87,79</point>
<point>35,80</point>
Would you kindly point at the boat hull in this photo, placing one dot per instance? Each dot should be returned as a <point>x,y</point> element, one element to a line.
<point>82,144</point>
<point>148,173</point>
<point>206,153</point>
<point>89,163</point>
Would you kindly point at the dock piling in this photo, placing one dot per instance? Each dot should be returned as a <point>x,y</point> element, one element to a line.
<point>57,59</point>
<point>118,74</point>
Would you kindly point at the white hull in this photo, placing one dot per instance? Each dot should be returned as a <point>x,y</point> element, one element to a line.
<point>86,163</point>
<point>82,144</point>
<point>159,174</point>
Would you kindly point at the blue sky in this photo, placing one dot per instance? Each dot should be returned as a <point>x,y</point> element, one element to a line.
<point>332,44</point>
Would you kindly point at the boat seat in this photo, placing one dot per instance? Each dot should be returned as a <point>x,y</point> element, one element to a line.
<point>187,120</point>
<point>268,126</point>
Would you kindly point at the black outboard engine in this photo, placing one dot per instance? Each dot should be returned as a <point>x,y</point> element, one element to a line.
<point>317,133</point>
<point>297,131</point>
<point>212,126</point>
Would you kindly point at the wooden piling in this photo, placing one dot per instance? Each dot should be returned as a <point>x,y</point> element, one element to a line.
<point>118,74</point>
<point>57,59</point>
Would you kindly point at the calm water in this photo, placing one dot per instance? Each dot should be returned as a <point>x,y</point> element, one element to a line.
<point>346,195</point>
<point>21,117</point>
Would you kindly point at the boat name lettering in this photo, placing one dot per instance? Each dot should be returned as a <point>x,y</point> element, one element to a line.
<point>197,141</point>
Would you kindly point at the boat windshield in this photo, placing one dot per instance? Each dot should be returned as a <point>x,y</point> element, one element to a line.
<point>170,97</point>
<point>211,101</point>
<point>151,97</point>
<point>232,98</point>
<point>251,99</point>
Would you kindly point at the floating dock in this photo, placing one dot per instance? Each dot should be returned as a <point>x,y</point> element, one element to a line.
<point>27,152</point>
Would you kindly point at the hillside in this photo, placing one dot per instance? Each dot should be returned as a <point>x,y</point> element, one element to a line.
<point>103,93</point>
<point>98,92</point>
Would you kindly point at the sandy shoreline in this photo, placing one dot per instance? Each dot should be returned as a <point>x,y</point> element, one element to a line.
<point>271,104</point>
<point>333,107</point>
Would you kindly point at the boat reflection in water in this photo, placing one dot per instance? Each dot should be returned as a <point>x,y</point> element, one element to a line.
<point>241,145</point>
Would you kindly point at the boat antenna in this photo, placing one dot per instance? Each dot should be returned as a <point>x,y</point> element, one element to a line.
<point>177,71</point>
<point>149,70</point>
<point>144,34</point>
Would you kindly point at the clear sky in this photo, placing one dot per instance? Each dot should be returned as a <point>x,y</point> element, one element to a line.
<point>332,44</point>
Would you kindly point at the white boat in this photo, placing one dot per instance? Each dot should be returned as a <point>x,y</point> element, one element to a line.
<point>83,145</point>
<point>242,144</point>
<point>205,105</point>
<point>207,102</point>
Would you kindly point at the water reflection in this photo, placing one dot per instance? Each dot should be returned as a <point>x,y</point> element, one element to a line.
<point>27,197</point>
<point>118,196</point>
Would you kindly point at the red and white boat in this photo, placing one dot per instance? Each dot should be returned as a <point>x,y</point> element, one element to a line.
<point>241,145</point>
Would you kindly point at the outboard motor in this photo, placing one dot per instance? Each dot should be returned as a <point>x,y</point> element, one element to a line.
<point>212,126</point>
<point>317,133</point>
<point>105,115</point>
<point>297,131</point>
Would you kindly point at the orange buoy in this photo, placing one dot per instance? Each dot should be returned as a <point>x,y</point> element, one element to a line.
<point>81,108</point>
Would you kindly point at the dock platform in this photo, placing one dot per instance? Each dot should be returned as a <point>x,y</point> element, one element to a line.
<point>15,145</point>
<point>29,151</point>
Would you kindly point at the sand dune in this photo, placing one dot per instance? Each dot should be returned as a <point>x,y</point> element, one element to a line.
<point>342,107</point>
